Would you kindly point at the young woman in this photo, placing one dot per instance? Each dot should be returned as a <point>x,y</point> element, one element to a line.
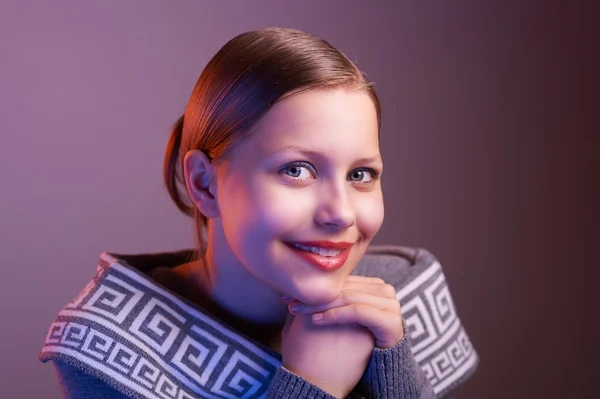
<point>277,159</point>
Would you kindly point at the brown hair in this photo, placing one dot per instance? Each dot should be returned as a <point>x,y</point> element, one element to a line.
<point>241,82</point>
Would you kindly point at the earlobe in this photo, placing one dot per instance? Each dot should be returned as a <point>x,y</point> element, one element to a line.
<point>200,180</point>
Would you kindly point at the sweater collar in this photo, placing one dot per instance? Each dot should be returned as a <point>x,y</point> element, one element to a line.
<point>134,334</point>
<point>131,330</point>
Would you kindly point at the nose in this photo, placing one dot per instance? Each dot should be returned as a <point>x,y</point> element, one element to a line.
<point>336,210</point>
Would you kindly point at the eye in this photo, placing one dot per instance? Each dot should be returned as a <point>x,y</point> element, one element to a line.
<point>363,176</point>
<point>299,171</point>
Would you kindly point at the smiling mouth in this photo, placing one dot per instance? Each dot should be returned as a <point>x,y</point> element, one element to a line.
<point>325,259</point>
<point>325,252</point>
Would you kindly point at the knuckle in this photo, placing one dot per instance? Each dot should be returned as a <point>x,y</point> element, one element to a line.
<point>400,323</point>
<point>395,306</point>
<point>361,310</point>
<point>389,290</point>
<point>399,305</point>
<point>399,308</point>
<point>348,297</point>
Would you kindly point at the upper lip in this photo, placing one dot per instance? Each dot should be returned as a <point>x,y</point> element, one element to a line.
<point>325,244</point>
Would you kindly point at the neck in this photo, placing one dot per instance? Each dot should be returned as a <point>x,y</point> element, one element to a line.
<point>230,286</point>
<point>226,290</point>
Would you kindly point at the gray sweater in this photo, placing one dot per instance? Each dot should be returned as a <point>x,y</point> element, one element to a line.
<point>125,336</point>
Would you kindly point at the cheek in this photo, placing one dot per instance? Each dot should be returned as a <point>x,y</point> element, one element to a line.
<point>370,214</point>
<point>262,210</point>
<point>284,209</point>
<point>239,214</point>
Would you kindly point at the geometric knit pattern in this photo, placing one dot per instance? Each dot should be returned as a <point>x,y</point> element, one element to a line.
<point>439,342</point>
<point>148,342</point>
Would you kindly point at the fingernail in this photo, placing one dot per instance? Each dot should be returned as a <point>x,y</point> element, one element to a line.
<point>296,307</point>
<point>317,317</point>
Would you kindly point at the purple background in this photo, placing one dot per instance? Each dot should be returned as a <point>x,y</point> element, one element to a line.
<point>487,139</point>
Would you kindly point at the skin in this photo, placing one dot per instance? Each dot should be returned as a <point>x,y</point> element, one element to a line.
<point>257,197</point>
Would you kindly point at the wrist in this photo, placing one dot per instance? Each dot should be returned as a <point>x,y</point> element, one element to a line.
<point>391,343</point>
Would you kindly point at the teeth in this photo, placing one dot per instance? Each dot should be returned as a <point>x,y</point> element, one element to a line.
<point>320,251</point>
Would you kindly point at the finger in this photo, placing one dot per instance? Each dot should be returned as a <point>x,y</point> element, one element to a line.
<point>385,290</point>
<point>381,290</point>
<point>365,279</point>
<point>386,327</point>
<point>349,297</point>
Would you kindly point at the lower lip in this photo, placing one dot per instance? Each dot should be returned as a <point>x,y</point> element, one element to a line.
<point>325,263</point>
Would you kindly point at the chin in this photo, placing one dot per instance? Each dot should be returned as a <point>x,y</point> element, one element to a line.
<point>319,290</point>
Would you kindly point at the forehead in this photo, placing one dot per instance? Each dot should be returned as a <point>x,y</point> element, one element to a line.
<point>319,119</point>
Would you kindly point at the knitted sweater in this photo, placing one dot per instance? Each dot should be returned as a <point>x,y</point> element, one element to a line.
<point>126,336</point>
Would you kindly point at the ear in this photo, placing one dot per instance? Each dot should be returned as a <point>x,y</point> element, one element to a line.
<point>201,183</point>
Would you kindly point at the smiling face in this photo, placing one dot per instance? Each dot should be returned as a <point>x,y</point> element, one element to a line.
<point>309,171</point>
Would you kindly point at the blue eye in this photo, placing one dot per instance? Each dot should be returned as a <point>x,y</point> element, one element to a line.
<point>299,171</point>
<point>302,171</point>
<point>358,176</point>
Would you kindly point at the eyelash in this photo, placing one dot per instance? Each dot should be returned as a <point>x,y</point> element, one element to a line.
<point>301,164</point>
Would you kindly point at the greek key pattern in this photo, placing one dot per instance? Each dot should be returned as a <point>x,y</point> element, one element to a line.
<point>439,343</point>
<point>149,341</point>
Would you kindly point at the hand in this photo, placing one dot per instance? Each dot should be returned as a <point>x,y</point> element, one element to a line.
<point>332,357</point>
<point>366,301</point>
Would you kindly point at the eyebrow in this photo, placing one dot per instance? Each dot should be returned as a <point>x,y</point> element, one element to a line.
<point>315,154</point>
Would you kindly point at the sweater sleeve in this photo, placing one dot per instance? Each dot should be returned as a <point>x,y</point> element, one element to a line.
<point>394,373</point>
<point>76,384</point>
<point>287,385</point>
